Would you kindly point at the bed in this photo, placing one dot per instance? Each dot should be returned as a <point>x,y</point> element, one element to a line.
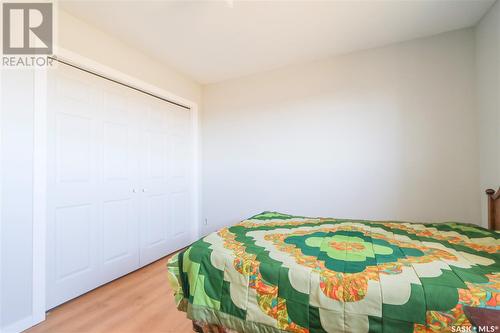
<point>281,273</point>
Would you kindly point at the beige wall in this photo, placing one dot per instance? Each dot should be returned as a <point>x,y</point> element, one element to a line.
<point>388,133</point>
<point>83,39</point>
<point>488,91</point>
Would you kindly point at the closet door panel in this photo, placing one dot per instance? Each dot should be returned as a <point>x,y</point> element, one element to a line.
<point>155,195</point>
<point>73,209</point>
<point>116,237</point>
<point>73,241</point>
<point>180,180</point>
<point>157,213</point>
<point>73,131</point>
<point>181,214</point>
<point>118,182</point>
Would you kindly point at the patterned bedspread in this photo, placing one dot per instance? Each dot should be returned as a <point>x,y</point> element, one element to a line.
<point>277,272</point>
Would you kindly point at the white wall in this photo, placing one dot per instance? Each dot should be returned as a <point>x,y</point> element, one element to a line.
<point>388,133</point>
<point>16,128</point>
<point>488,71</point>
<point>16,197</point>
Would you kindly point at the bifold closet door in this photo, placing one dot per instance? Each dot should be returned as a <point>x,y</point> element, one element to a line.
<point>114,199</point>
<point>166,163</point>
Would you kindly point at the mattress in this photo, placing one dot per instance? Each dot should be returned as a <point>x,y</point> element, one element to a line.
<point>281,273</point>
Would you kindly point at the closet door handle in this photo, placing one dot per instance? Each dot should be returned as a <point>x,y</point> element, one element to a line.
<point>134,190</point>
<point>144,190</point>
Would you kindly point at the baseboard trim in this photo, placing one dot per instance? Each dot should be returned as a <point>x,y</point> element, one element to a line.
<point>21,325</point>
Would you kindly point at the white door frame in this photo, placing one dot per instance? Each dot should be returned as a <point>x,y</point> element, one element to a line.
<point>40,163</point>
<point>39,193</point>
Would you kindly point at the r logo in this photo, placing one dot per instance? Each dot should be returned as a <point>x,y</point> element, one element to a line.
<point>27,28</point>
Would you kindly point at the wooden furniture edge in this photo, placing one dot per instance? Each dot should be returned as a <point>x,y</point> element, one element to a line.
<point>493,209</point>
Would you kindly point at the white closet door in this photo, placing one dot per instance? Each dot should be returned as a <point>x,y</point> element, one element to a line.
<point>165,201</point>
<point>181,177</point>
<point>74,213</point>
<point>119,181</point>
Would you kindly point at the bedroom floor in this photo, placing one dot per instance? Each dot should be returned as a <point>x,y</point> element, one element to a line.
<point>139,302</point>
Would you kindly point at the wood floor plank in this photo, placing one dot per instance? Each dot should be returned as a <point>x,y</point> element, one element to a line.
<point>139,302</point>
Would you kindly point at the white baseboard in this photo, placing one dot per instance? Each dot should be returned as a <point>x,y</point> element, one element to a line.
<point>21,325</point>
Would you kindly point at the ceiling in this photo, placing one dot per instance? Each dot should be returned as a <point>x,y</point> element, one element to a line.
<point>213,41</point>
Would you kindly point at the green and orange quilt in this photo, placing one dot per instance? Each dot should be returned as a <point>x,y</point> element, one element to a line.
<point>281,273</point>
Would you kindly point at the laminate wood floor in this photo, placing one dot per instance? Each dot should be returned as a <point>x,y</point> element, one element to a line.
<point>139,302</point>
